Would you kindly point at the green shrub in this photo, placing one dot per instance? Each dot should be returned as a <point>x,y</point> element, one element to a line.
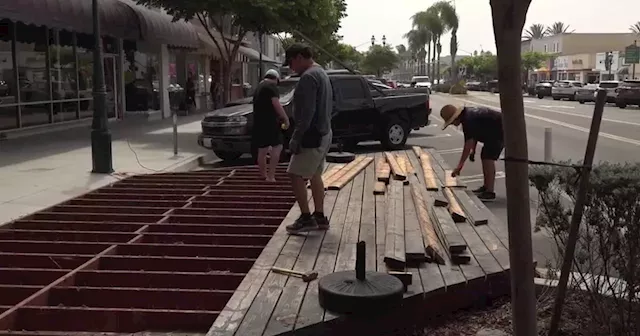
<point>458,88</point>
<point>444,88</point>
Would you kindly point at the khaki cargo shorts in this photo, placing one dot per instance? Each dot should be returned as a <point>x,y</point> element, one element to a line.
<point>310,161</point>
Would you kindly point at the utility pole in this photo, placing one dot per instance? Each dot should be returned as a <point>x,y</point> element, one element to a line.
<point>633,66</point>
<point>260,36</point>
<point>101,154</point>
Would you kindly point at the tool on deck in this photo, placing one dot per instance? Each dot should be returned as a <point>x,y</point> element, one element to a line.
<point>305,276</point>
<point>358,292</point>
<point>340,156</point>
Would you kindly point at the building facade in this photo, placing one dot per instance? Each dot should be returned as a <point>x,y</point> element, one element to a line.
<point>580,57</point>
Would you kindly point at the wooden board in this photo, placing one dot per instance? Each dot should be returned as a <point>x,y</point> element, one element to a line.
<point>344,170</point>
<point>448,232</point>
<point>407,164</point>
<point>414,247</point>
<point>394,248</point>
<point>353,172</point>
<point>446,178</point>
<point>328,175</point>
<point>397,171</point>
<point>455,209</point>
<point>379,188</point>
<point>432,244</point>
<point>383,171</point>
<point>450,181</point>
<point>430,179</point>
<point>368,217</point>
<point>475,214</point>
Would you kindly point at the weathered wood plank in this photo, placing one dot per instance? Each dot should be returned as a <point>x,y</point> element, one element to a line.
<point>438,171</point>
<point>394,255</point>
<point>397,171</point>
<point>286,311</point>
<point>449,233</point>
<point>414,247</point>
<point>499,228</point>
<point>329,173</point>
<point>432,244</point>
<point>492,241</point>
<point>353,172</point>
<point>481,255</point>
<point>405,165</point>
<point>379,188</point>
<point>310,310</point>
<point>448,180</point>
<point>383,171</point>
<point>368,217</point>
<point>238,305</point>
<point>474,213</point>
<point>454,208</point>
<point>415,288</point>
<point>345,170</point>
<point>427,176</point>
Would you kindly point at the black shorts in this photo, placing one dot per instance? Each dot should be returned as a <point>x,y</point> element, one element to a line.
<point>491,150</point>
<point>267,137</point>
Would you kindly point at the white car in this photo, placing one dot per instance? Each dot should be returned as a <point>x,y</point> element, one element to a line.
<point>421,81</point>
<point>565,89</point>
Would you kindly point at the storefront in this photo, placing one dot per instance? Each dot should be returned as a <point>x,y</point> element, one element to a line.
<point>577,67</point>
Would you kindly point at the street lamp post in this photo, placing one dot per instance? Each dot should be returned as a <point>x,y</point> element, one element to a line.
<point>384,40</point>
<point>373,40</point>
<point>101,154</point>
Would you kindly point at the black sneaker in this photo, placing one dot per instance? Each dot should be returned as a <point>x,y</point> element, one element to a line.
<point>321,220</point>
<point>304,223</point>
<point>479,190</point>
<point>487,196</point>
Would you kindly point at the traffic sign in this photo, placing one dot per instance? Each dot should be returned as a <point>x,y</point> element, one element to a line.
<point>632,54</point>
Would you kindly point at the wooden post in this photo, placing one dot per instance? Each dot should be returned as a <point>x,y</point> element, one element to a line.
<point>508,22</point>
<point>578,210</point>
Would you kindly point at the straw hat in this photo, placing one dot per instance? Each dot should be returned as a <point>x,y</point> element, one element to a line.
<point>449,114</point>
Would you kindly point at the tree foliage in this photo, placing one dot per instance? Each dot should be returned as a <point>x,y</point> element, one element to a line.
<point>344,52</point>
<point>535,31</point>
<point>380,59</point>
<point>532,60</point>
<point>483,66</point>
<point>635,28</point>
<point>558,28</point>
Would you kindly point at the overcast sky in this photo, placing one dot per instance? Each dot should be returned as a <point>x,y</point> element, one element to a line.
<point>393,19</point>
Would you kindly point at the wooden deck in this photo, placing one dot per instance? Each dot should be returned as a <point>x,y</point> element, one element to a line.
<point>267,303</point>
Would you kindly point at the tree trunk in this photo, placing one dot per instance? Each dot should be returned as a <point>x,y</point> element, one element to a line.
<point>454,51</point>
<point>437,76</point>
<point>508,22</point>
<point>428,62</point>
<point>226,82</point>
<point>433,61</point>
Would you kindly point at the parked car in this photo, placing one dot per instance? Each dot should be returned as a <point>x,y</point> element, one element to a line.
<point>421,81</point>
<point>543,89</point>
<point>611,87</point>
<point>475,86</point>
<point>359,115</point>
<point>492,86</point>
<point>628,93</point>
<point>587,93</point>
<point>565,89</point>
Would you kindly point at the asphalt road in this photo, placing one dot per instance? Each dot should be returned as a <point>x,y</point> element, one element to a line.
<point>619,141</point>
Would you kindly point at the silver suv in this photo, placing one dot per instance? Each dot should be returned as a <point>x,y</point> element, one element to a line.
<point>565,89</point>
<point>611,87</point>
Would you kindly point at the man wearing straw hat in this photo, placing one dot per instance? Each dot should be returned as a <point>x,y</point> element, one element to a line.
<point>479,124</point>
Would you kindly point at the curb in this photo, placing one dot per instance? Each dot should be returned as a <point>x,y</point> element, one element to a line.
<point>191,163</point>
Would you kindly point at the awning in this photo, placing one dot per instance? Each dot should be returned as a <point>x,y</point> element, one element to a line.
<point>254,55</point>
<point>116,18</point>
<point>159,28</point>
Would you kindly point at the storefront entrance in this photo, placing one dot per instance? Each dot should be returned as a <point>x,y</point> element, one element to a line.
<point>110,80</point>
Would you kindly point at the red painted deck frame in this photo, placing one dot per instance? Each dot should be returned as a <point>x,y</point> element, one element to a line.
<point>156,253</point>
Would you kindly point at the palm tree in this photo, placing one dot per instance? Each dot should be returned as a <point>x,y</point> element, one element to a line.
<point>451,21</point>
<point>438,28</point>
<point>430,21</point>
<point>635,28</point>
<point>536,31</point>
<point>558,28</point>
<point>420,23</point>
<point>417,40</point>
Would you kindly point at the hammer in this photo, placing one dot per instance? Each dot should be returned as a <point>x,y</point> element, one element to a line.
<point>305,276</point>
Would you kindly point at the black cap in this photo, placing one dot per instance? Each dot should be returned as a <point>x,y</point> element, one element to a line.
<point>297,49</point>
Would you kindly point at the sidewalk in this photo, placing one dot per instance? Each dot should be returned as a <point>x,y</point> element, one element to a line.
<point>42,170</point>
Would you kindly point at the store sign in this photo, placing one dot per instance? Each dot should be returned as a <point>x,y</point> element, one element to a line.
<point>576,62</point>
<point>561,63</point>
<point>632,54</point>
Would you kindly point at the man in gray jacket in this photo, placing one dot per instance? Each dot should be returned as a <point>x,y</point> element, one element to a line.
<point>311,138</point>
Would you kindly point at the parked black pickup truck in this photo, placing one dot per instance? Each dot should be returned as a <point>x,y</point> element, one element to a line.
<point>359,115</point>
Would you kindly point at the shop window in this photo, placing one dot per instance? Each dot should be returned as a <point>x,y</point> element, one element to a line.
<point>85,76</point>
<point>8,92</point>
<point>141,81</point>
<point>35,91</point>
<point>64,89</point>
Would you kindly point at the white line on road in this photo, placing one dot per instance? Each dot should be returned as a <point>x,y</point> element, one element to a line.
<point>450,151</point>
<point>547,108</point>
<point>560,123</point>
<point>469,178</point>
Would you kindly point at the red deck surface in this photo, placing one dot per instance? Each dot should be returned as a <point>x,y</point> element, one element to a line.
<point>161,253</point>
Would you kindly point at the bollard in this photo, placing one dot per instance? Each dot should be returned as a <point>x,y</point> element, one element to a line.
<point>175,131</point>
<point>548,155</point>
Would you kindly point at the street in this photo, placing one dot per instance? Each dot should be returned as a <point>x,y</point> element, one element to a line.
<point>569,121</point>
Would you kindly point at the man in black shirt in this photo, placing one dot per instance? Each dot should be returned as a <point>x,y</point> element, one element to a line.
<point>269,119</point>
<point>479,124</point>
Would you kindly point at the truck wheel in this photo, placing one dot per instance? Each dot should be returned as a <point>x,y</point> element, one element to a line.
<point>572,98</point>
<point>540,96</point>
<point>621,105</point>
<point>581,101</point>
<point>227,156</point>
<point>395,134</point>
<point>556,98</point>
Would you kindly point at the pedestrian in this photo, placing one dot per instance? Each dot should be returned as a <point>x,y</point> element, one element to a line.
<point>269,121</point>
<point>191,90</point>
<point>479,124</point>
<point>311,137</point>
<point>213,89</point>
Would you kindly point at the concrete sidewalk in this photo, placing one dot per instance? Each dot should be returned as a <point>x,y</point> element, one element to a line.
<point>42,170</point>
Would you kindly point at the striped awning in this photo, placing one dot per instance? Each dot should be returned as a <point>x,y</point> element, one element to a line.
<point>116,18</point>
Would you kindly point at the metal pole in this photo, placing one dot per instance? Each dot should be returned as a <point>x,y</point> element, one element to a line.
<point>174,115</point>
<point>260,58</point>
<point>548,157</point>
<point>101,153</point>
<point>578,210</point>
<point>633,66</point>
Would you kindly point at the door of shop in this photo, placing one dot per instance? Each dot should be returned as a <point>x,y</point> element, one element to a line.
<point>110,80</point>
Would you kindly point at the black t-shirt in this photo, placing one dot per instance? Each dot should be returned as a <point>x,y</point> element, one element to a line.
<point>264,114</point>
<point>482,124</point>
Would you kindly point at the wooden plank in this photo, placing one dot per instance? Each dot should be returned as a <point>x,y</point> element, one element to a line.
<point>474,213</point>
<point>450,181</point>
<point>480,254</point>
<point>430,179</point>
<point>398,173</point>
<point>240,302</point>
<point>394,254</point>
<point>353,172</point>
<point>344,170</point>
<point>379,188</point>
<point>454,208</point>
<point>381,227</point>
<point>286,311</point>
<point>436,194</point>
<point>448,232</point>
<point>414,247</point>
<point>499,229</point>
<point>383,170</point>
<point>409,168</point>
<point>310,310</point>
<point>431,242</point>
<point>415,288</point>
<point>438,171</point>
<point>332,170</point>
<point>368,218</point>
<point>447,179</point>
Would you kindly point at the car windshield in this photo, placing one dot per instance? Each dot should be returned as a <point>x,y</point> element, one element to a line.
<point>421,79</point>
<point>608,85</point>
<point>285,87</point>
